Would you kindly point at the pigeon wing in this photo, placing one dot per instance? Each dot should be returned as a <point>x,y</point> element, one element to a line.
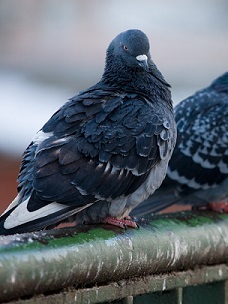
<point>200,159</point>
<point>117,142</point>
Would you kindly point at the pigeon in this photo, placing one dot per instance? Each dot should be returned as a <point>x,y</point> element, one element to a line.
<point>103,152</point>
<point>198,170</point>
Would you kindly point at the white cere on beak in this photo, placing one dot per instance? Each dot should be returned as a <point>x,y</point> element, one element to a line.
<point>141,58</point>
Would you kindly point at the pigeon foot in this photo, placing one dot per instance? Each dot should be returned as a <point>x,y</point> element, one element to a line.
<point>221,207</point>
<point>122,223</point>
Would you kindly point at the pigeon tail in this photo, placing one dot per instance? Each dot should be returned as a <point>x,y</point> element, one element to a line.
<point>19,219</point>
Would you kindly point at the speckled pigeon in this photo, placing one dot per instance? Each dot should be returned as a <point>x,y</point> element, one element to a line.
<point>198,170</point>
<point>103,152</point>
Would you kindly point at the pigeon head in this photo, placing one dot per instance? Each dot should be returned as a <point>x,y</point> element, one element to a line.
<point>133,48</point>
<point>128,58</point>
<point>129,49</point>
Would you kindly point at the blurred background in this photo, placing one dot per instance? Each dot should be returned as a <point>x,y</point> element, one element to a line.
<point>51,49</point>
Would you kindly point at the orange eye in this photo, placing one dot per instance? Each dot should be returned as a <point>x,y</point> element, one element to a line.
<point>125,48</point>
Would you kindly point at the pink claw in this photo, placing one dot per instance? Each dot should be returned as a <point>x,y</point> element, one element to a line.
<point>221,207</point>
<point>122,223</point>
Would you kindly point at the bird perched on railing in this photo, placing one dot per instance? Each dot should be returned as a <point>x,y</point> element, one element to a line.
<point>104,151</point>
<point>198,170</point>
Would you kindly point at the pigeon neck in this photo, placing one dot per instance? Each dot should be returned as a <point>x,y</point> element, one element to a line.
<point>144,83</point>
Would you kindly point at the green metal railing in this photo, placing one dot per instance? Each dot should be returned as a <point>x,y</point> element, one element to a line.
<point>173,258</point>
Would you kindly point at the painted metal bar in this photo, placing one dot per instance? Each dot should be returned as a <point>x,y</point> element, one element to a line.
<point>46,261</point>
<point>131,288</point>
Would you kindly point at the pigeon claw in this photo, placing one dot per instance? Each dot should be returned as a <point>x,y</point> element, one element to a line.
<point>122,223</point>
<point>221,207</point>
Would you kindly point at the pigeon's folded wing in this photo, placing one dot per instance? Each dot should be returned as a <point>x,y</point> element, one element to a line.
<point>117,141</point>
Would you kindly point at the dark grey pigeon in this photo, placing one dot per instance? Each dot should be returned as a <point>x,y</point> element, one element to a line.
<point>103,152</point>
<point>198,170</point>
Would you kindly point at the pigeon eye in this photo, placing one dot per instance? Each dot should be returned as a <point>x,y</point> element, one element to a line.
<point>125,47</point>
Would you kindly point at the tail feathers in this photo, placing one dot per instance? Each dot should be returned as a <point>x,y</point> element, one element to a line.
<point>160,200</point>
<point>19,220</point>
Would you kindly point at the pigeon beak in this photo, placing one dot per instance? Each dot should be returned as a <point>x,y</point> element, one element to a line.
<point>142,59</point>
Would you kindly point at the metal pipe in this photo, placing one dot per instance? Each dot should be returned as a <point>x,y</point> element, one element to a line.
<point>38,262</point>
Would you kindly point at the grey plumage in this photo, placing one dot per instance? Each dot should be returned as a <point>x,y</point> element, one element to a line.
<point>104,151</point>
<point>198,170</point>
